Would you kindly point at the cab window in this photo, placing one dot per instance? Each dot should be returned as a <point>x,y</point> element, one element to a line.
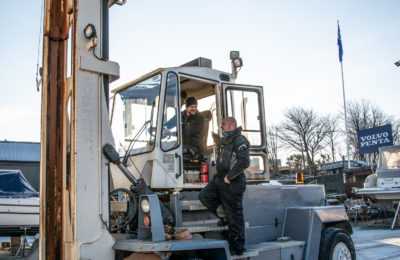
<point>170,126</point>
<point>244,106</point>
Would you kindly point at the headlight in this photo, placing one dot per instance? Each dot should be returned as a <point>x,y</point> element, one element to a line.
<point>237,63</point>
<point>90,31</point>
<point>145,205</point>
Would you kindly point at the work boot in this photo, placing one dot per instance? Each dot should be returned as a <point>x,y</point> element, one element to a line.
<point>222,222</point>
<point>235,252</point>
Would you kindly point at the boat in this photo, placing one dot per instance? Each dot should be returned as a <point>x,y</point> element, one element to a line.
<point>383,187</point>
<point>19,205</point>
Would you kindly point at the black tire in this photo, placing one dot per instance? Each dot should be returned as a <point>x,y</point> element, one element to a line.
<point>336,242</point>
<point>119,220</point>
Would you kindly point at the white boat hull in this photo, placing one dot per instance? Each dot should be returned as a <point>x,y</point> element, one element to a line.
<point>381,197</point>
<point>381,193</point>
<point>17,214</point>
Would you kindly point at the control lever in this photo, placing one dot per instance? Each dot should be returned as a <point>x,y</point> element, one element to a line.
<point>113,157</point>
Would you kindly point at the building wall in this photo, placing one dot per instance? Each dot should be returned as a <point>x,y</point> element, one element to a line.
<point>31,171</point>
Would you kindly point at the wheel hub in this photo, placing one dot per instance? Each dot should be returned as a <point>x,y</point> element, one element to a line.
<point>341,252</point>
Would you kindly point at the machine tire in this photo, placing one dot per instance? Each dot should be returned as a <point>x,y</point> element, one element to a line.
<point>336,242</point>
<point>119,221</point>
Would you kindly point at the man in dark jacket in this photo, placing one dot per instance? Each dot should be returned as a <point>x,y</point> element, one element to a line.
<point>192,126</point>
<point>229,184</point>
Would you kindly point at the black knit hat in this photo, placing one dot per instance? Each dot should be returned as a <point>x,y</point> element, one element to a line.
<point>191,101</point>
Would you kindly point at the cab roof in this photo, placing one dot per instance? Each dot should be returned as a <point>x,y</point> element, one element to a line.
<point>200,67</point>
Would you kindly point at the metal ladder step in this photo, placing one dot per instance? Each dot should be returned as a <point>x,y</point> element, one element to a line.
<point>200,222</point>
<point>203,226</point>
<point>192,205</point>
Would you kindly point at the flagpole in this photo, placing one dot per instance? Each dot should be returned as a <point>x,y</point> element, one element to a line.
<point>345,119</point>
<point>344,96</point>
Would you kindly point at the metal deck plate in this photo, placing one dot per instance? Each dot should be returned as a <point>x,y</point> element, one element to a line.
<point>254,250</point>
<point>135,245</point>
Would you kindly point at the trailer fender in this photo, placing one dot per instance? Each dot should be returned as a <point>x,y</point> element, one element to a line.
<point>307,224</point>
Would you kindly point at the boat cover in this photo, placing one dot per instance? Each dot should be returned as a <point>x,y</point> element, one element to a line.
<point>13,184</point>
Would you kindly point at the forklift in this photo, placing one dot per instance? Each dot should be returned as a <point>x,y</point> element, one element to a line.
<point>116,185</point>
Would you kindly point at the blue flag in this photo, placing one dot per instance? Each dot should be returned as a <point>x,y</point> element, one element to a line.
<point>339,42</point>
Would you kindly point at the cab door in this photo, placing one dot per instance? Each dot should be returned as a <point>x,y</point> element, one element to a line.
<point>246,104</point>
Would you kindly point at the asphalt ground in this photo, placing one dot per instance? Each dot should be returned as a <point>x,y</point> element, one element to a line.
<point>376,240</point>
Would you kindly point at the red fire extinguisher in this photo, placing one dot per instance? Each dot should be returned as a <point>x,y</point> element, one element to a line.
<point>203,173</point>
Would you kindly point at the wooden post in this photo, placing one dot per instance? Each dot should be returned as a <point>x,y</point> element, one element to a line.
<point>15,244</point>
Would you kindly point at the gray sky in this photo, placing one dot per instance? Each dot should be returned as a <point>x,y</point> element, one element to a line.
<point>289,47</point>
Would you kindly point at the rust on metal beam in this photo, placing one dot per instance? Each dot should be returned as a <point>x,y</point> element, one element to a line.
<point>56,25</point>
<point>56,28</point>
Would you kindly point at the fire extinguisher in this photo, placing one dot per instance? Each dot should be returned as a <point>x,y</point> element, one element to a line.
<point>203,173</point>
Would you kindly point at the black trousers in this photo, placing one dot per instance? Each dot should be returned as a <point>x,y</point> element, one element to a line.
<point>231,197</point>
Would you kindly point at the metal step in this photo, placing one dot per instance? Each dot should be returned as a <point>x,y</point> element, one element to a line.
<point>254,250</point>
<point>203,226</point>
<point>200,222</point>
<point>192,205</point>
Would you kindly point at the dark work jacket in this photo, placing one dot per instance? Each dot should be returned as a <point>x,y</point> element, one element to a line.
<point>192,129</point>
<point>233,156</point>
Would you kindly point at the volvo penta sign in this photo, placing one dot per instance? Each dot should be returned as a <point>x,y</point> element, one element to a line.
<point>369,140</point>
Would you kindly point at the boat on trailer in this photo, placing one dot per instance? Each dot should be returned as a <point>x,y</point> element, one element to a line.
<point>19,205</point>
<point>383,187</point>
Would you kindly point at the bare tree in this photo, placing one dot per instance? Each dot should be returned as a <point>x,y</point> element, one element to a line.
<point>357,120</point>
<point>295,161</point>
<point>324,159</point>
<point>332,135</point>
<point>304,131</point>
<point>272,146</point>
<point>395,129</point>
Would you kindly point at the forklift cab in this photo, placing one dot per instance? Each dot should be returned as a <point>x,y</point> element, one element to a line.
<point>143,109</point>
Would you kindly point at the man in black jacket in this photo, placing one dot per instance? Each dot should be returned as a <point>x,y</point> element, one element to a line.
<point>229,184</point>
<point>192,126</point>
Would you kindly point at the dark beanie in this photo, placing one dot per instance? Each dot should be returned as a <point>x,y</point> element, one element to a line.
<point>191,101</point>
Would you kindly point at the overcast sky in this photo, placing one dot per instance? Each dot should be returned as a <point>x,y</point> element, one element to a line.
<point>289,47</point>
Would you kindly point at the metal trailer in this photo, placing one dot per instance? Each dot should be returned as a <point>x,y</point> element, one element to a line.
<point>94,209</point>
<point>307,228</point>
